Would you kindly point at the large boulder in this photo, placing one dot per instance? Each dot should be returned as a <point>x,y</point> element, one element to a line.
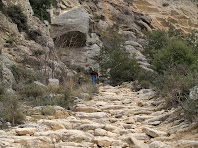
<point>71,28</point>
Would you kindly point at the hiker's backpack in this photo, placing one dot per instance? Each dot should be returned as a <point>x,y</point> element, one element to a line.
<point>95,70</point>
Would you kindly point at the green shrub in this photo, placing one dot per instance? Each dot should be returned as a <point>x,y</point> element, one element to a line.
<point>11,110</point>
<point>23,75</point>
<point>190,107</point>
<point>18,17</point>
<point>173,32</point>
<point>177,52</point>
<point>174,57</point>
<point>33,90</point>
<point>9,41</point>
<point>35,95</point>
<point>62,96</point>
<point>40,96</point>
<point>66,99</point>
<point>123,69</point>
<point>1,3</point>
<point>40,8</point>
<point>146,78</point>
<point>157,40</point>
<point>66,95</point>
<point>49,110</point>
<point>2,90</point>
<point>175,84</point>
<point>114,61</point>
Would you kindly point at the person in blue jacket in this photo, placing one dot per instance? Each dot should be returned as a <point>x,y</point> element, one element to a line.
<point>94,74</point>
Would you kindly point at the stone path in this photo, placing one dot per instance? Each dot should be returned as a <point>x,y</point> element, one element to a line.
<point>116,118</point>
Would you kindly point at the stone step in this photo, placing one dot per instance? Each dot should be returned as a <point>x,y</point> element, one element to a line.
<point>153,133</point>
<point>96,115</point>
<point>87,109</point>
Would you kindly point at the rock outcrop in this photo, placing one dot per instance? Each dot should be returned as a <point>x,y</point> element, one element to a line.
<point>182,14</point>
<point>71,28</point>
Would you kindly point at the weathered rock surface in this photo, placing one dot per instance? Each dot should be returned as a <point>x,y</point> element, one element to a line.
<point>103,141</point>
<point>158,144</point>
<point>153,133</point>
<point>96,125</point>
<point>182,14</point>
<point>186,144</point>
<point>137,143</point>
<point>26,131</point>
<point>73,24</point>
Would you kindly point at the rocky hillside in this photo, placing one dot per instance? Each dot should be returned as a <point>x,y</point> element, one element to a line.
<point>72,37</point>
<point>77,26</point>
<point>183,14</point>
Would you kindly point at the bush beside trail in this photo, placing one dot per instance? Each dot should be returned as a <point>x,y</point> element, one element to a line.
<point>174,57</point>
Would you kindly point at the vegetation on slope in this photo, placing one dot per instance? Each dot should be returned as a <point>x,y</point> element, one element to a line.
<point>41,7</point>
<point>114,60</point>
<point>174,57</point>
<point>18,17</point>
<point>28,93</point>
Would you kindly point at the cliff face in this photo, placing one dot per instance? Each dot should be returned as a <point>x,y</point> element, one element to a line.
<point>183,14</point>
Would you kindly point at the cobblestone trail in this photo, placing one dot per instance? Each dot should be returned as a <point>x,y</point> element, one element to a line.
<point>116,118</point>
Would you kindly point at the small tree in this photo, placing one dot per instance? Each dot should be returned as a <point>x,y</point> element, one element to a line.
<point>18,17</point>
<point>114,60</point>
<point>157,40</point>
<point>40,8</point>
<point>10,108</point>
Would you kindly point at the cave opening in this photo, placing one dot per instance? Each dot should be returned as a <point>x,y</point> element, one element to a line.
<point>73,39</point>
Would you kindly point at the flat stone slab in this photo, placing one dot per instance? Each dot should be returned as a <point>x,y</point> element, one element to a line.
<point>155,123</point>
<point>142,118</point>
<point>186,144</point>
<point>26,131</point>
<point>153,133</point>
<point>113,107</point>
<point>87,109</point>
<point>158,144</point>
<point>138,143</point>
<point>86,127</point>
<point>140,136</point>
<point>91,115</point>
<point>103,141</point>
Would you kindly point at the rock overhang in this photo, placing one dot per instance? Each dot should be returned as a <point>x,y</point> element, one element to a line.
<point>71,28</point>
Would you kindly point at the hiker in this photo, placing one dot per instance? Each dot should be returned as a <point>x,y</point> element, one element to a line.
<point>94,74</point>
